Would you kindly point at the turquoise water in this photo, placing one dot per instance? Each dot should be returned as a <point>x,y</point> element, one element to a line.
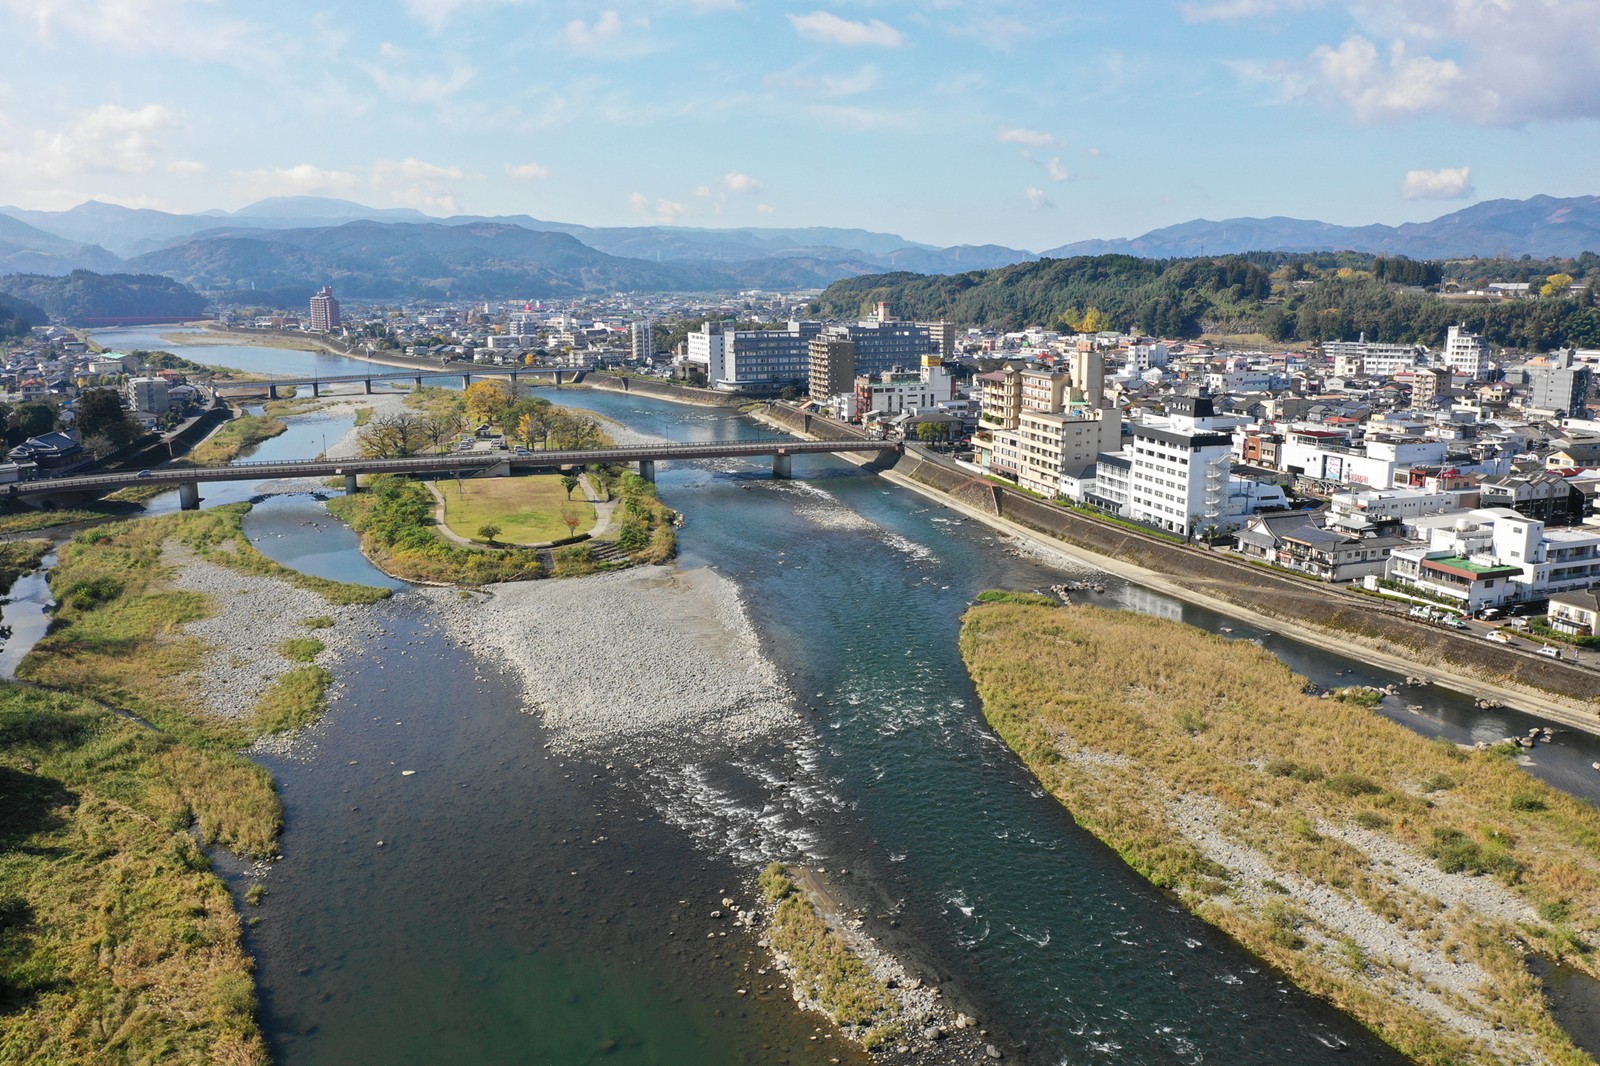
<point>525,908</point>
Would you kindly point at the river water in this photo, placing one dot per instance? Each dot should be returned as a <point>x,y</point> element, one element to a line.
<point>501,904</point>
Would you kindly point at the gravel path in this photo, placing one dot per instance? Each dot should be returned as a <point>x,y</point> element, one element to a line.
<point>695,677</point>
<point>254,616</point>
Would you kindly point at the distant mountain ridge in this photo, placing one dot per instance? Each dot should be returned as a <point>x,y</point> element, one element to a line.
<point>293,242</point>
<point>1540,226</point>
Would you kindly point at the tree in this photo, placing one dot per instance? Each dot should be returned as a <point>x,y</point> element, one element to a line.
<point>1556,285</point>
<point>489,399</point>
<point>34,419</point>
<point>100,414</point>
<point>569,482</point>
<point>929,432</point>
<point>571,518</point>
<point>529,428</point>
<point>439,426</point>
<point>392,436</point>
<point>488,531</point>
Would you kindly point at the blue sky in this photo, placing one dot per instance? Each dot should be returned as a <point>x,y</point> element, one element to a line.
<point>948,121</point>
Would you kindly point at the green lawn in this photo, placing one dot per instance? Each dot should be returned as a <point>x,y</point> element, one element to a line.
<point>527,509</point>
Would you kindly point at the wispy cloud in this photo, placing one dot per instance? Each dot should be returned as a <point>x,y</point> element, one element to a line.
<point>527,171</point>
<point>303,179</point>
<point>110,139</point>
<point>1026,137</point>
<point>1448,183</point>
<point>735,182</point>
<point>1037,200</point>
<point>829,28</point>
<point>666,212</point>
<point>1057,170</point>
<point>608,34</point>
<point>412,182</point>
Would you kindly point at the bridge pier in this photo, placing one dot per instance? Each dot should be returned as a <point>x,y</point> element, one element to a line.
<point>419,381</point>
<point>466,381</point>
<point>316,389</point>
<point>558,377</point>
<point>368,385</point>
<point>272,392</point>
<point>189,495</point>
<point>782,465</point>
<point>647,470</point>
<point>351,485</point>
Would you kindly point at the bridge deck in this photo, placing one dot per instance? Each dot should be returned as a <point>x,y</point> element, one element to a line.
<point>448,463</point>
<point>383,372</point>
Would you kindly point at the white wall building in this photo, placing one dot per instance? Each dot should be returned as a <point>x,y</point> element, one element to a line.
<point>1181,466</point>
<point>1466,354</point>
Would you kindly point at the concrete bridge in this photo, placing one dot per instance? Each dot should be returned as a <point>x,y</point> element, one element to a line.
<point>187,479</point>
<point>465,371</point>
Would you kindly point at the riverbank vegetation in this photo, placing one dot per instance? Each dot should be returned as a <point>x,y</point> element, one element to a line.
<point>1401,878</point>
<point>117,942</point>
<point>17,557</point>
<point>822,966</point>
<point>229,442</point>
<point>395,518</point>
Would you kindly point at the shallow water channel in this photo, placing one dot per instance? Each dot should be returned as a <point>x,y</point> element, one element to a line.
<point>501,904</point>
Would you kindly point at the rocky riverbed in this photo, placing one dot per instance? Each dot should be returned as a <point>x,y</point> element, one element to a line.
<point>695,675</point>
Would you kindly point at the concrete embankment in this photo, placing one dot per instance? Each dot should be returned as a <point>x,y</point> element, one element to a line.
<point>663,390</point>
<point>1360,626</point>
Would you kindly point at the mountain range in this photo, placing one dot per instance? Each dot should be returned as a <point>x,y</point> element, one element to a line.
<point>295,243</point>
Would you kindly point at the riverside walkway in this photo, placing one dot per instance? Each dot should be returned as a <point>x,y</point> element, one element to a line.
<point>477,463</point>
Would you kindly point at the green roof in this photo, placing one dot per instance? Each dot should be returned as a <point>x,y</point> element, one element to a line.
<point>1457,563</point>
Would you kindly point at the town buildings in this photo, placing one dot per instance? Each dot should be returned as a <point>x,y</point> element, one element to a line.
<point>325,312</point>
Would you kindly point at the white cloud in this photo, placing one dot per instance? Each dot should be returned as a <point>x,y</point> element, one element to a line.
<point>1376,87</point>
<point>411,182</point>
<point>702,191</point>
<point>829,28</point>
<point>766,209</point>
<point>606,33</point>
<point>400,84</point>
<point>301,180</point>
<point>1037,200</point>
<point>735,182</point>
<point>109,139</point>
<point>1226,10</point>
<point>1057,170</point>
<point>186,168</point>
<point>666,212</point>
<point>1484,62</point>
<point>527,171</point>
<point>1448,183</point>
<point>1023,136</point>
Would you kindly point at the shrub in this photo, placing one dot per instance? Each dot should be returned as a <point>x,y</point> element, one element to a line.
<point>1370,820</point>
<point>1353,785</point>
<point>1527,801</point>
<point>1006,596</point>
<point>1555,913</point>
<point>1438,783</point>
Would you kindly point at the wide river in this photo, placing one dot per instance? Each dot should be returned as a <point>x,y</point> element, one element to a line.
<point>504,904</point>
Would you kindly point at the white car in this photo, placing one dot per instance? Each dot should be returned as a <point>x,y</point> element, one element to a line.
<point>1497,636</point>
<point>1551,650</point>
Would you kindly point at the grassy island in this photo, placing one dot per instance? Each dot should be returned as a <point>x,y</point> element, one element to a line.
<point>238,436</point>
<point>118,943</point>
<point>1401,878</point>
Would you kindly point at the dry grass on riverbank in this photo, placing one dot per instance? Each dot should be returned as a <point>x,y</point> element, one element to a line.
<point>1399,877</point>
<point>394,517</point>
<point>231,440</point>
<point>117,944</point>
<point>527,509</point>
<point>119,638</point>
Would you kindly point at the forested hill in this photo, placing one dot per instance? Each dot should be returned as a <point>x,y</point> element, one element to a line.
<point>17,317</point>
<point>86,298</point>
<point>1284,297</point>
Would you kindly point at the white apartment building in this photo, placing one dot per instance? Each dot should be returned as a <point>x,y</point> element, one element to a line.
<point>1181,466</point>
<point>891,392</point>
<point>1052,443</point>
<point>1493,555</point>
<point>1466,354</point>
<point>147,394</point>
<point>1329,457</point>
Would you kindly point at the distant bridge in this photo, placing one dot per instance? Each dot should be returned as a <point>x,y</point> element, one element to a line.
<point>187,479</point>
<point>466,372</point>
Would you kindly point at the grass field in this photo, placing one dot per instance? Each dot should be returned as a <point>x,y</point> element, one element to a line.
<point>527,509</point>
<point>1146,729</point>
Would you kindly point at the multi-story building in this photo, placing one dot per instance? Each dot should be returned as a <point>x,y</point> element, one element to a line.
<point>833,365</point>
<point>643,341</point>
<point>837,355</point>
<point>754,360</point>
<point>1051,444</point>
<point>1466,354</point>
<point>1557,382</point>
<point>1181,466</point>
<point>324,311</point>
<point>147,394</point>
<point>894,391</point>
<point>1429,385</point>
<point>1493,555</point>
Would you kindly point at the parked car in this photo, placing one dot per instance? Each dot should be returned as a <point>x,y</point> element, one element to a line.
<point>142,473</point>
<point>1497,636</point>
<point>1551,650</point>
<point>1452,621</point>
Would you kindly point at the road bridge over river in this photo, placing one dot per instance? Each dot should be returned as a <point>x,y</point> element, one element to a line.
<point>187,479</point>
<point>465,371</point>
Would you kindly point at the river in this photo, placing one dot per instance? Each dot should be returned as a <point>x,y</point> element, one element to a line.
<point>502,904</point>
